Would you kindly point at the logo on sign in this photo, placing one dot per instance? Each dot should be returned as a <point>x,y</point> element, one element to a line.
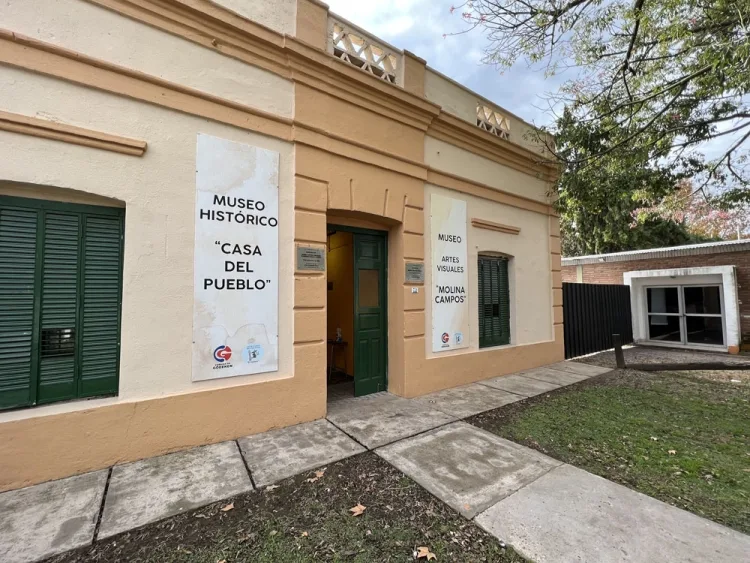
<point>252,353</point>
<point>459,337</point>
<point>222,354</point>
<point>445,338</point>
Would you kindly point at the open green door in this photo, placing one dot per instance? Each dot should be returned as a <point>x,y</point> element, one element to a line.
<point>370,321</point>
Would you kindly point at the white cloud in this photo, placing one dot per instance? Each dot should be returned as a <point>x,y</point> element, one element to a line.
<point>399,25</point>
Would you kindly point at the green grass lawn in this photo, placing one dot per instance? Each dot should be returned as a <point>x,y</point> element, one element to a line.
<point>307,518</point>
<point>681,439</point>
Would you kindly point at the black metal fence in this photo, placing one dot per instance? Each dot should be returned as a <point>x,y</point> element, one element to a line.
<point>592,313</point>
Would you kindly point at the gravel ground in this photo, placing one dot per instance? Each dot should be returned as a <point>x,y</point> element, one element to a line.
<point>648,355</point>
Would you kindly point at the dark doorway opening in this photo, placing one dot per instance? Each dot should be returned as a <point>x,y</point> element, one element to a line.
<point>357,343</point>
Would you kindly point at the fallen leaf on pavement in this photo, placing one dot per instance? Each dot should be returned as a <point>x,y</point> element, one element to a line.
<point>228,507</point>
<point>425,553</point>
<point>357,510</point>
<point>318,475</point>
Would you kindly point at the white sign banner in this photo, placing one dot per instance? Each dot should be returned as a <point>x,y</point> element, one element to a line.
<point>236,274</point>
<point>450,274</point>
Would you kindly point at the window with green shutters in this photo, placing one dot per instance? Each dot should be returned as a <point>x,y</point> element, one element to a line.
<point>494,301</point>
<point>60,288</point>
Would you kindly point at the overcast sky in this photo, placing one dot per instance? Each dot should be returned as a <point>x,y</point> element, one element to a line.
<point>419,26</point>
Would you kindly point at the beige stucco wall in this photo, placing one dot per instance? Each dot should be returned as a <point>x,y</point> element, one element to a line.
<point>529,272</point>
<point>102,34</point>
<point>158,191</point>
<point>462,103</point>
<point>460,162</point>
<point>453,99</point>
<point>323,177</point>
<point>279,15</point>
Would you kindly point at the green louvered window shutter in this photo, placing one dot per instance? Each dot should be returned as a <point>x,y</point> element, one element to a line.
<point>494,301</point>
<point>18,266</point>
<point>59,307</point>
<point>100,319</point>
<point>60,287</point>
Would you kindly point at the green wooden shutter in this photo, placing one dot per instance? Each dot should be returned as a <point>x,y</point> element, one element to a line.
<point>59,306</point>
<point>503,300</point>
<point>494,302</point>
<point>60,287</point>
<point>18,263</point>
<point>100,324</point>
<point>485,314</point>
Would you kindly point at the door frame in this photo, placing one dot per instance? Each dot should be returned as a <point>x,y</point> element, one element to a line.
<point>384,235</point>
<point>682,315</point>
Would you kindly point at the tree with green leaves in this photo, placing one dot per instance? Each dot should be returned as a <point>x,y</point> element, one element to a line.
<point>656,81</point>
<point>668,75</point>
<point>612,206</point>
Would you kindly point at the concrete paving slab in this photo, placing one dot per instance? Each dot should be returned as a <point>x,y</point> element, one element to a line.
<point>469,400</point>
<point>578,368</point>
<point>465,467</point>
<point>40,521</point>
<point>520,385</point>
<point>572,515</point>
<point>556,376</point>
<point>382,418</point>
<point>278,454</point>
<point>152,489</point>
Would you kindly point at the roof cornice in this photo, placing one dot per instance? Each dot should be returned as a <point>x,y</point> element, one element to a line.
<point>454,130</point>
<point>221,30</point>
<point>721,247</point>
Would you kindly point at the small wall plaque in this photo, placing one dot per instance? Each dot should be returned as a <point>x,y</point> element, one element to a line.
<point>414,272</point>
<point>311,258</point>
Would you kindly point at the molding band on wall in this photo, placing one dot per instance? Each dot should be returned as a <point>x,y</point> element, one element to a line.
<point>223,31</point>
<point>43,58</point>
<point>452,182</point>
<point>499,227</point>
<point>25,125</point>
<point>462,134</point>
<point>51,60</point>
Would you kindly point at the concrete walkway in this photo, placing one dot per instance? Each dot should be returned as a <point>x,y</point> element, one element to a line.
<point>547,510</point>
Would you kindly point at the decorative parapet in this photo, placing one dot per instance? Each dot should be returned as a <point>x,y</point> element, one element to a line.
<point>356,47</point>
<point>493,121</point>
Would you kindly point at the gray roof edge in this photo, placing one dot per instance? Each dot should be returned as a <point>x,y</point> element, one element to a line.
<point>667,252</point>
